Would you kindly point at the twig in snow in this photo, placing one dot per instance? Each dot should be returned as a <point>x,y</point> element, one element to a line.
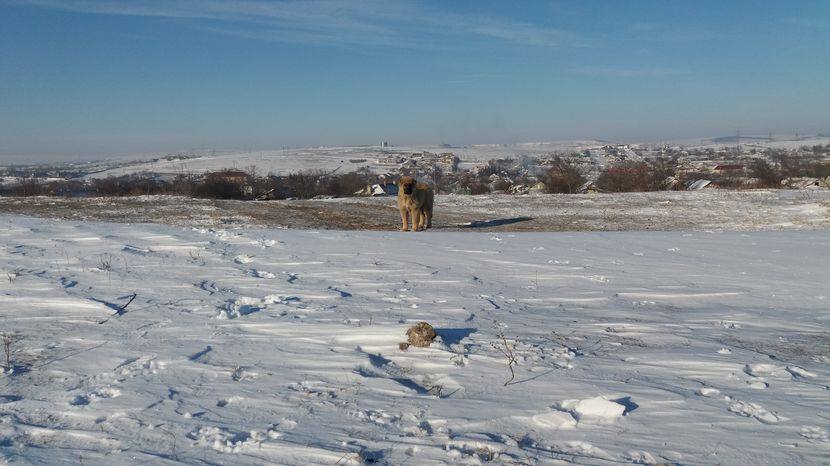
<point>506,349</point>
<point>121,311</point>
<point>8,341</point>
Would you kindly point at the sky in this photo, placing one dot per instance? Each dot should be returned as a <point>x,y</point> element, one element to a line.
<point>82,79</point>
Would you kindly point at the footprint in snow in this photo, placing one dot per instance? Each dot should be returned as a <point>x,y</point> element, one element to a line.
<point>762,370</point>
<point>708,392</point>
<point>798,372</point>
<point>144,365</point>
<point>210,287</point>
<point>555,420</point>
<point>815,433</point>
<point>261,274</point>
<point>79,400</point>
<point>65,282</point>
<point>243,259</point>
<point>101,393</point>
<point>238,308</point>
<point>742,408</point>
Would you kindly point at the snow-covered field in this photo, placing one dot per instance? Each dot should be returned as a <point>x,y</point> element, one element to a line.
<point>261,346</point>
<point>350,158</point>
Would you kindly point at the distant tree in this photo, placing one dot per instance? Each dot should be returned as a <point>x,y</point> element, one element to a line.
<point>226,184</point>
<point>633,176</point>
<point>817,170</point>
<point>789,164</point>
<point>766,175</point>
<point>502,184</point>
<point>470,184</point>
<point>563,177</point>
<point>304,184</point>
<point>109,186</point>
<point>31,187</point>
<point>625,177</point>
<point>344,185</point>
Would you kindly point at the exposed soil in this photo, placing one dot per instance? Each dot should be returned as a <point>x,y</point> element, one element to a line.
<point>727,210</point>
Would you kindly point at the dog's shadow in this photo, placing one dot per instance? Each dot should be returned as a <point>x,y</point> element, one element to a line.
<point>495,223</point>
<point>453,336</point>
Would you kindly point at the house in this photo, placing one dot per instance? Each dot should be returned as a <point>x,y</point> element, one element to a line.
<point>379,189</point>
<point>808,183</point>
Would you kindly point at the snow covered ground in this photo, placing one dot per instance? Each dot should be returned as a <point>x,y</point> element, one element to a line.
<point>351,158</point>
<point>263,346</point>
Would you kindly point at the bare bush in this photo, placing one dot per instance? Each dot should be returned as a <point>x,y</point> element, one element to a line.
<point>226,184</point>
<point>502,184</point>
<point>344,185</point>
<point>304,184</point>
<point>765,175</point>
<point>129,185</point>
<point>789,164</point>
<point>31,187</point>
<point>625,177</point>
<point>8,339</point>
<point>469,184</point>
<point>818,170</point>
<point>506,348</point>
<point>563,177</point>
<point>637,176</point>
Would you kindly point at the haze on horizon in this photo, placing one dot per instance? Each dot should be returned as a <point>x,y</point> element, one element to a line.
<point>83,79</point>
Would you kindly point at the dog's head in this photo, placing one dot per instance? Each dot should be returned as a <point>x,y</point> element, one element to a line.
<point>407,185</point>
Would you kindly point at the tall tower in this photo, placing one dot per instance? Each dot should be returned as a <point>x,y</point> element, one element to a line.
<point>738,140</point>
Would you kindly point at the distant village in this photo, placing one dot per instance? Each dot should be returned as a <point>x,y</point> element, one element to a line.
<point>607,168</point>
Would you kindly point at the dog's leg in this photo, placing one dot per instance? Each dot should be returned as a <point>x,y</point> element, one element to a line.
<point>423,223</point>
<point>404,219</point>
<point>416,218</point>
<point>428,217</point>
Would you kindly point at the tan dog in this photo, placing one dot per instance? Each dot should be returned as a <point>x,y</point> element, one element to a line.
<point>416,200</point>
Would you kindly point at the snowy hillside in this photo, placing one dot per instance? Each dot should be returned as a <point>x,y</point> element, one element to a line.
<point>150,344</point>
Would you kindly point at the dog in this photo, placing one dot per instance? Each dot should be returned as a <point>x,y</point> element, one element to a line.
<point>416,200</point>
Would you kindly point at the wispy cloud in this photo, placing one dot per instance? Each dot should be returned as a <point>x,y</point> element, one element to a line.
<point>812,23</point>
<point>370,22</point>
<point>630,71</point>
<point>522,33</point>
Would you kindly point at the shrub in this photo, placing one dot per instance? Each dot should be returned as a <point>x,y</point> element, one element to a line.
<point>30,187</point>
<point>303,185</point>
<point>766,175</point>
<point>817,170</point>
<point>502,184</point>
<point>225,184</point>
<point>563,177</point>
<point>470,184</point>
<point>625,177</point>
<point>344,185</point>
<point>637,176</point>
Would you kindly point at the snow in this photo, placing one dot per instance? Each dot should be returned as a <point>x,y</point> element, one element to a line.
<point>264,346</point>
<point>346,159</point>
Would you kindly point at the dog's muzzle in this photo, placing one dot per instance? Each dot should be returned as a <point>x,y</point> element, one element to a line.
<point>407,189</point>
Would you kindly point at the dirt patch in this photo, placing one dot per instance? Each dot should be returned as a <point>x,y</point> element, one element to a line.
<point>726,210</point>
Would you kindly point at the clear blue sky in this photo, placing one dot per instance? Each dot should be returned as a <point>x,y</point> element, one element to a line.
<point>91,78</point>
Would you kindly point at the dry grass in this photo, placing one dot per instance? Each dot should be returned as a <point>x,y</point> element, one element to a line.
<point>717,209</point>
